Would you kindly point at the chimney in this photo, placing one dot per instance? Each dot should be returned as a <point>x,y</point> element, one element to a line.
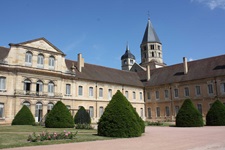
<point>148,72</point>
<point>185,65</point>
<point>73,67</point>
<point>80,62</point>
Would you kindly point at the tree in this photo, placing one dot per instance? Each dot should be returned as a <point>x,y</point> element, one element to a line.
<point>189,116</point>
<point>119,119</point>
<point>59,117</point>
<point>216,114</point>
<point>23,117</point>
<point>82,119</point>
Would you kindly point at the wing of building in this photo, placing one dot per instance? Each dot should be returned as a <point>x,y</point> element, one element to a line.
<point>36,73</point>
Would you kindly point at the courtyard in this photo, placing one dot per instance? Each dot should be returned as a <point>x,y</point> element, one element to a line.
<point>155,138</point>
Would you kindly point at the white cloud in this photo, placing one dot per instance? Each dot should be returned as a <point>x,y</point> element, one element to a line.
<point>212,4</point>
<point>190,59</point>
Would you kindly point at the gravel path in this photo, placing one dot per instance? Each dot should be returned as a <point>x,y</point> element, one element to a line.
<point>155,138</point>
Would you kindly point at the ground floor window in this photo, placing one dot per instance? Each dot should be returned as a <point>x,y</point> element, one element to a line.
<point>157,112</point>
<point>149,113</point>
<point>199,106</point>
<point>1,110</point>
<point>176,110</point>
<point>91,111</point>
<point>167,111</point>
<point>26,103</point>
<point>141,112</point>
<point>101,110</point>
<point>50,106</point>
<point>38,112</point>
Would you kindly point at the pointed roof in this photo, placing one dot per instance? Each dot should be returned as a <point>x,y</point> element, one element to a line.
<point>127,54</point>
<point>150,34</point>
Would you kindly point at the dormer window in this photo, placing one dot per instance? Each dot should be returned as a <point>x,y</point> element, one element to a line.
<point>40,61</point>
<point>28,59</point>
<point>51,62</point>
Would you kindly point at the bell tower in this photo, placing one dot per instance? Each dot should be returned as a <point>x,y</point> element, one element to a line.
<point>127,60</point>
<point>151,48</point>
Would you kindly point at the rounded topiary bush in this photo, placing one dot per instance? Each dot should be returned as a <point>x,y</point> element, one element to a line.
<point>189,116</point>
<point>82,116</point>
<point>119,120</point>
<point>23,117</point>
<point>59,117</point>
<point>216,114</point>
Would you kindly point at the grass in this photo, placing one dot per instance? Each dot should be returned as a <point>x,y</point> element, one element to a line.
<point>16,136</point>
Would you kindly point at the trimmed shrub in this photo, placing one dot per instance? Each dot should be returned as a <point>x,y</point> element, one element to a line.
<point>189,116</point>
<point>119,119</point>
<point>59,117</point>
<point>24,117</point>
<point>216,114</point>
<point>82,116</point>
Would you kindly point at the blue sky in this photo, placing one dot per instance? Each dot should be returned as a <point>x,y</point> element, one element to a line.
<point>100,29</point>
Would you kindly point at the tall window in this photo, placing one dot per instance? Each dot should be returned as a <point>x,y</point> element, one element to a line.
<point>51,62</point>
<point>157,95</point>
<point>157,112</point>
<point>80,90</point>
<point>110,93</point>
<point>140,95</point>
<point>2,83</point>
<point>101,92</point>
<point>176,110</point>
<point>166,94</point>
<point>91,91</point>
<point>199,106</point>
<point>28,59</point>
<point>91,111</point>
<point>26,103</point>
<point>149,113</point>
<point>27,86</point>
<point>210,88</point>
<point>152,47</point>
<point>141,112</point>
<point>1,110</point>
<point>40,61</point>
<point>51,89</point>
<point>126,94</point>
<point>39,87</point>
<point>175,93</point>
<point>186,91</point>
<point>167,111</point>
<point>38,112</point>
<point>68,89</point>
<point>222,88</point>
<point>197,90</point>
<point>101,110</point>
<point>134,95</point>
<point>50,106</point>
<point>148,95</point>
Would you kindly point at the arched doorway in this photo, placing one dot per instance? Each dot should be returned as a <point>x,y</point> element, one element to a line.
<point>38,112</point>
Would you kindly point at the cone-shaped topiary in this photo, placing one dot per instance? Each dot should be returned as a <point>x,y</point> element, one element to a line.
<point>23,117</point>
<point>216,114</point>
<point>82,116</point>
<point>189,116</point>
<point>119,120</point>
<point>59,117</point>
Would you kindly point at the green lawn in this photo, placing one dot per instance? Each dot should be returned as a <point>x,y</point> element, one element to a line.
<point>16,136</point>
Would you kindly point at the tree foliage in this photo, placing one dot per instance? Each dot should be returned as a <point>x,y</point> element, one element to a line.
<point>23,117</point>
<point>82,116</point>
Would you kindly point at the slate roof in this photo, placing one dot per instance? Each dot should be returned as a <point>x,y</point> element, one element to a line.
<point>199,69</point>
<point>3,52</point>
<point>105,74</point>
<point>150,34</point>
<point>128,54</point>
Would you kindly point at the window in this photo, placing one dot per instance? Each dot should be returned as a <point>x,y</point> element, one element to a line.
<point>91,111</point>
<point>134,95</point>
<point>141,112</point>
<point>197,90</point>
<point>186,91</point>
<point>125,62</point>
<point>50,106</point>
<point>140,95</point>
<point>27,86</point>
<point>159,55</point>
<point>148,95</point>
<point>167,111</point>
<point>158,47</point>
<point>90,91</point>
<point>210,88</point>
<point>149,113</point>
<point>39,87</point>
<point>175,93</point>
<point>28,59</point>
<point>51,62</point>
<point>101,110</point>
<point>2,83</point>
<point>80,90</point>
<point>131,62</point>
<point>68,89</point>
<point>1,110</point>
<point>176,110</point>
<point>222,88</point>
<point>110,93</point>
<point>26,103</point>
<point>153,54</point>
<point>152,47</point>
<point>157,94</point>
<point>126,94</point>
<point>68,107</point>
<point>100,92</point>
<point>199,106</point>
<point>38,112</point>
<point>51,89</point>
<point>157,112</point>
<point>166,94</point>
<point>40,61</point>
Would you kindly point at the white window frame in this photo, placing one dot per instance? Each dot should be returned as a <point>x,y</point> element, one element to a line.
<point>51,62</point>
<point>210,89</point>
<point>40,61</point>
<point>68,89</point>
<point>157,95</point>
<point>126,94</point>
<point>91,91</point>
<point>2,83</point>
<point>51,88</point>
<point>186,92</point>
<point>222,88</point>
<point>166,94</point>
<point>28,58</point>
<point>100,92</point>
<point>149,113</point>
<point>197,90</point>
<point>134,95</point>
<point>141,112</point>
<point>176,93</point>
<point>141,96</point>
<point>167,111</point>
<point>101,111</point>
<point>80,90</point>
<point>110,93</point>
<point>26,103</point>
<point>2,110</point>
<point>91,111</point>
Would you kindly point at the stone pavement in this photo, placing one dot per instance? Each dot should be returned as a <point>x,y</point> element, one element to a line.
<point>155,138</point>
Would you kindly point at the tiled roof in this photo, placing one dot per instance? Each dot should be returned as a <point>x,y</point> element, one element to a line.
<point>199,69</point>
<point>3,52</point>
<point>105,74</point>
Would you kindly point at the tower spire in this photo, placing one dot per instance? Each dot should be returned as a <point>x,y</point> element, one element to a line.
<point>127,47</point>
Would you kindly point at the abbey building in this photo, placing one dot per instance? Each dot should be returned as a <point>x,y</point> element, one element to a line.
<point>36,73</point>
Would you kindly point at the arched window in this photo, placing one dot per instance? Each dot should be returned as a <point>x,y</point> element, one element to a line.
<point>51,62</point>
<point>28,58</point>
<point>27,86</point>
<point>38,112</point>
<point>50,106</point>
<point>26,103</point>
<point>2,83</point>
<point>51,88</point>
<point>39,87</point>
<point>40,61</point>
<point>1,110</point>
